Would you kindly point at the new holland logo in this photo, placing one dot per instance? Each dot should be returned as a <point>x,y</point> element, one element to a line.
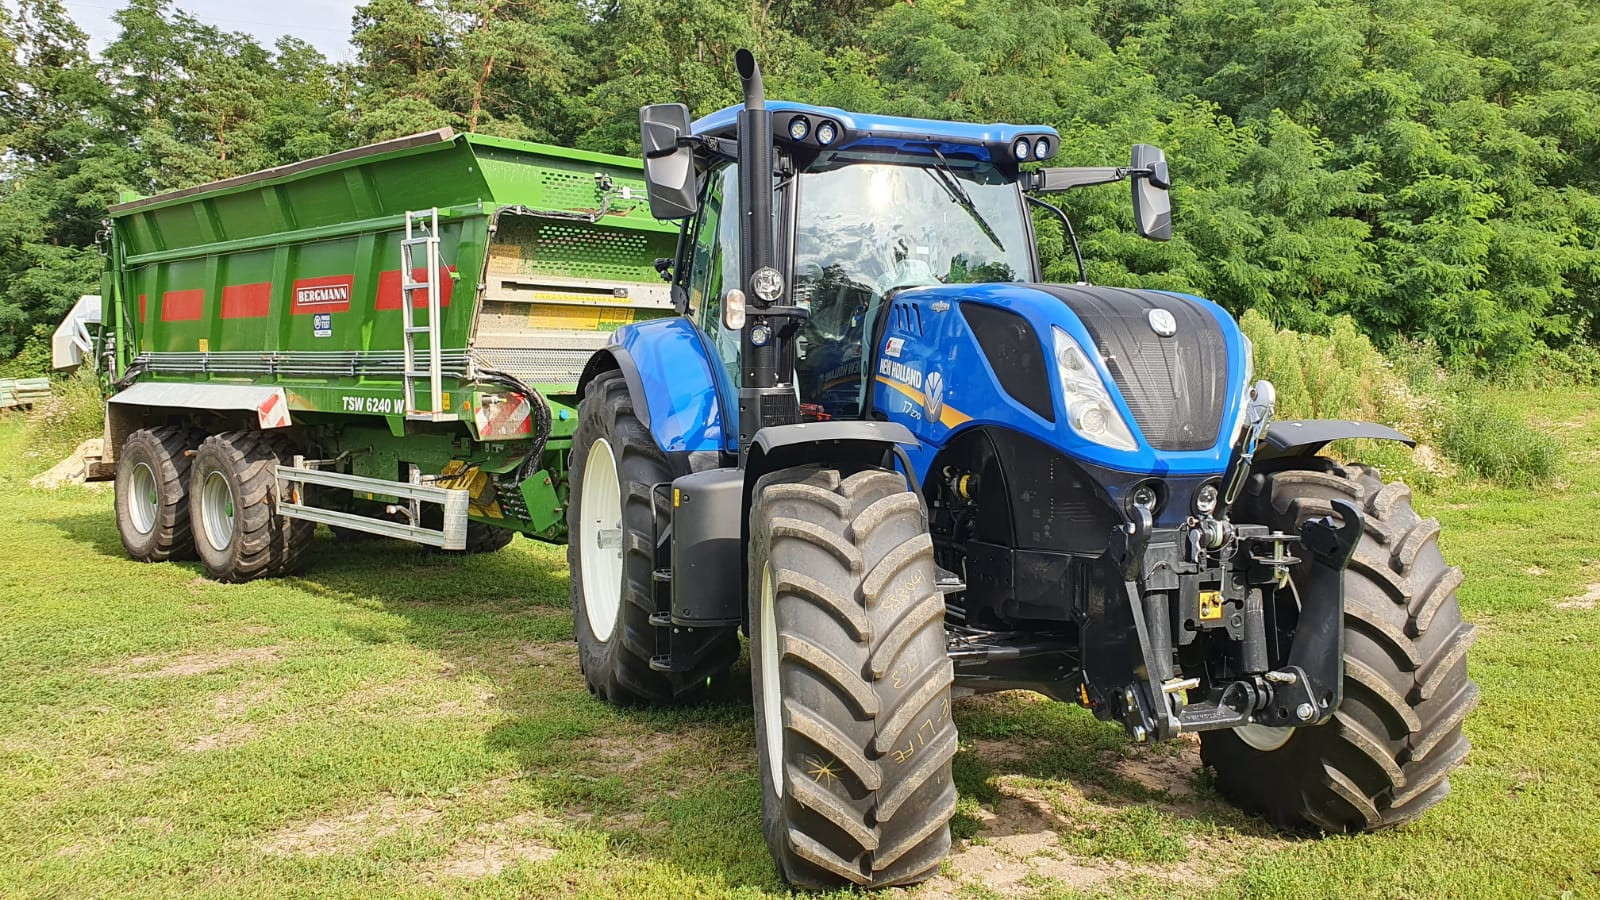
<point>322,294</point>
<point>1162,322</point>
<point>933,395</point>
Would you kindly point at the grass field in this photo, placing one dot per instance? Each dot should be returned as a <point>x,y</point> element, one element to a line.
<point>396,722</point>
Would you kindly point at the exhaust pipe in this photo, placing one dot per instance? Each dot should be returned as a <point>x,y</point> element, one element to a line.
<point>760,401</point>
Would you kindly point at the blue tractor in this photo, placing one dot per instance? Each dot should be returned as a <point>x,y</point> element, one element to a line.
<point>874,443</point>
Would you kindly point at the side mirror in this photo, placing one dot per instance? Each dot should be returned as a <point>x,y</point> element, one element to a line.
<point>669,174</point>
<point>1152,205</point>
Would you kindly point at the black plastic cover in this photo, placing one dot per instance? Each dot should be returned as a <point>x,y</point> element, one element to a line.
<point>1176,385</point>
<point>708,548</point>
<point>1015,354</point>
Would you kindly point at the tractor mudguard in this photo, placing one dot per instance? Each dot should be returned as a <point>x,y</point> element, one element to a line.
<point>839,444</point>
<point>843,444</point>
<point>1304,437</point>
<point>674,380</point>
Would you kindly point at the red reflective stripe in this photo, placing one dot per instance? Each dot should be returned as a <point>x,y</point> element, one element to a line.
<point>247,301</point>
<point>268,404</point>
<point>327,294</point>
<point>143,307</point>
<point>182,306</point>
<point>389,288</point>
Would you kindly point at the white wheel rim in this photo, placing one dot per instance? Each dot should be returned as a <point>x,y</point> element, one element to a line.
<point>771,696</point>
<point>600,534</point>
<point>217,510</point>
<point>1265,738</point>
<point>143,501</point>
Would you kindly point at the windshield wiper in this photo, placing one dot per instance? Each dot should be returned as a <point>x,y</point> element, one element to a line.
<point>946,177</point>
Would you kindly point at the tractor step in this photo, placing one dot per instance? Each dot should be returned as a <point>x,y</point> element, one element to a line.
<point>661,620</point>
<point>948,582</point>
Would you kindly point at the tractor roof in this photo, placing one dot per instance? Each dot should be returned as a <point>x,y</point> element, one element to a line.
<point>865,131</point>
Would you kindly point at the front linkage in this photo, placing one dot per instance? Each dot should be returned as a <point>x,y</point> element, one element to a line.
<point>1166,589</point>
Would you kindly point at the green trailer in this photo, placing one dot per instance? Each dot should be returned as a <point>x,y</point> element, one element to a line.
<point>385,340</point>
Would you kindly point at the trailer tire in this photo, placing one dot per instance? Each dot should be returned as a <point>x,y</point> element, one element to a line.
<point>152,493</point>
<point>616,640</point>
<point>238,533</point>
<point>1386,755</point>
<point>851,680</point>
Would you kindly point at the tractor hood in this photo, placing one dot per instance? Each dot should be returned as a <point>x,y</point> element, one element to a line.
<point>1174,368</point>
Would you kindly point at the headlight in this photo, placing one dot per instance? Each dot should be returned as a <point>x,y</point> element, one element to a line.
<point>826,132</point>
<point>1090,411</point>
<point>1041,148</point>
<point>767,283</point>
<point>1205,499</point>
<point>799,128</point>
<point>1020,148</point>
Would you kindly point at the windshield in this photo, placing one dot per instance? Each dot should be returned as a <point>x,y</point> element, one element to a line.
<point>865,229</point>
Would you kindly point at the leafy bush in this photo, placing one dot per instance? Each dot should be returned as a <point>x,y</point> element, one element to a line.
<point>1341,375</point>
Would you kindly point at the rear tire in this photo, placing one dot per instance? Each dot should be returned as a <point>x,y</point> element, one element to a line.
<point>152,493</point>
<point>238,533</point>
<point>851,680</point>
<point>1386,755</point>
<point>611,528</point>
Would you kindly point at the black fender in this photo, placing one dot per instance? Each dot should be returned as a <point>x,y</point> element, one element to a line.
<point>616,356</point>
<point>1304,437</point>
<point>850,445</point>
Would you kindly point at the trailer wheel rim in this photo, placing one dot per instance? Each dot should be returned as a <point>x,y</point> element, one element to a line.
<point>771,693</point>
<point>144,501</point>
<point>1265,738</point>
<point>217,510</point>
<point>601,536</point>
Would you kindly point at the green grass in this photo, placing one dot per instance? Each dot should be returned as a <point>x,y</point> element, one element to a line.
<point>394,722</point>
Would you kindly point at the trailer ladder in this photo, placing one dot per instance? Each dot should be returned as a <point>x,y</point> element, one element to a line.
<point>422,231</point>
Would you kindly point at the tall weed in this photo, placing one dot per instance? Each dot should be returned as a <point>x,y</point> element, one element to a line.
<point>1341,375</point>
<point>74,413</point>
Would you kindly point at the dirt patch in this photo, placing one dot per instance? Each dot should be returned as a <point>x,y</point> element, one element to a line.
<point>228,737</point>
<point>1012,751</point>
<point>625,753</point>
<point>1018,840</point>
<point>496,847</point>
<point>1535,571</point>
<point>1589,599</point>
<point>562,655</point>
<point>350,832</point>
<point>191,663</point>
<point>1031,838</point>
<point>244,698</point>
<point>72,469</point>
<point>1159,769</point>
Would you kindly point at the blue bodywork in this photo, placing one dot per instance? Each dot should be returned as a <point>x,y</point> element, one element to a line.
<point>685,387</point>
<point>892,133</point>
<point>972,395</point>
<point>692,401</point>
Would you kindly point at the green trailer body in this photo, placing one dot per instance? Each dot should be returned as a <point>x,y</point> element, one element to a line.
<point>290,282</point>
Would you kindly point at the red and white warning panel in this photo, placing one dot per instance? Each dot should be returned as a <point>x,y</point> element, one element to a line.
<point>504,417</point>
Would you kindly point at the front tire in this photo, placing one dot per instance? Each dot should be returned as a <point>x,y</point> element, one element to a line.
<point>612,525</point>
<point>1386,755</point>
<point>851,680</point>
